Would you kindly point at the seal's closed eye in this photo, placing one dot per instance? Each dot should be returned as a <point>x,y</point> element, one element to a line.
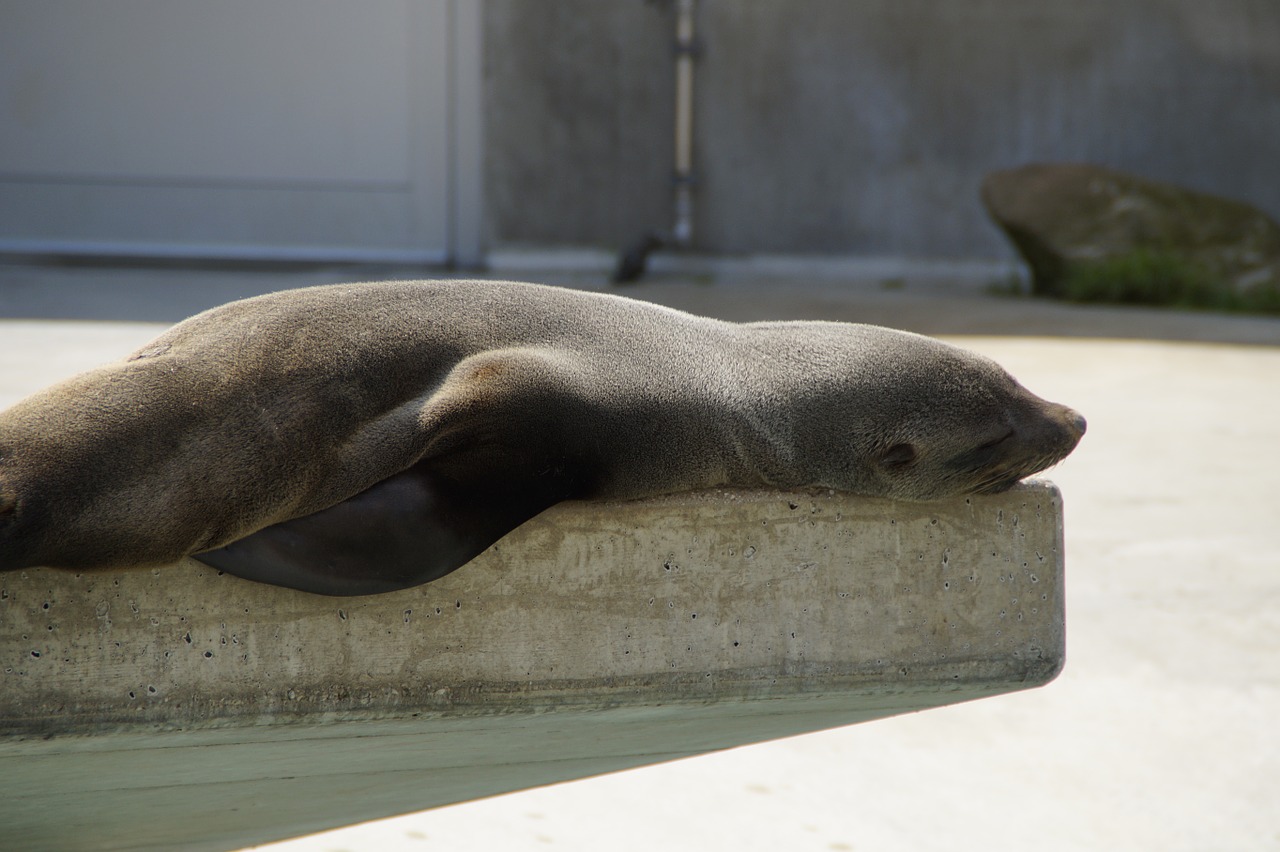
<point>992,444</point>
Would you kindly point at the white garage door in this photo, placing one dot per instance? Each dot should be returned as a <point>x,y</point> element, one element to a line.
<point>319,129</point>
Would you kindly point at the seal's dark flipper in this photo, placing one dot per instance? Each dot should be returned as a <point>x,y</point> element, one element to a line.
<point>410,529</point>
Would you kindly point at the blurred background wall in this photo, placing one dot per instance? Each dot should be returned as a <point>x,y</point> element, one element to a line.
<point>433,130</point>
<point>865,127</point>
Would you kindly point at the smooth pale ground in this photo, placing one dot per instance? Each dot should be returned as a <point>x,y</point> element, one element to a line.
<point>1160,734</point>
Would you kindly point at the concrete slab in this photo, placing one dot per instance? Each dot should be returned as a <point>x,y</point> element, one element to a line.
<point>178,707</point>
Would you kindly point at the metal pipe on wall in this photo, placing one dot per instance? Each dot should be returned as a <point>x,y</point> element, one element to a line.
<point>631,263</point>
<point>686,50</point>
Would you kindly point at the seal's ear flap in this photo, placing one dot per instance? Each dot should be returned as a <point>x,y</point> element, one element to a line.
<point>899,455</point>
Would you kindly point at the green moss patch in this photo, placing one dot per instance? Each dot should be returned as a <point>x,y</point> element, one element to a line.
<point>1151,277</point>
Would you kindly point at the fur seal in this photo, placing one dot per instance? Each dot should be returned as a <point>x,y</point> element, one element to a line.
<point>360,438</point>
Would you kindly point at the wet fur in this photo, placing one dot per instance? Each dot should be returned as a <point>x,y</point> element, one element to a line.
<point>361,438</point>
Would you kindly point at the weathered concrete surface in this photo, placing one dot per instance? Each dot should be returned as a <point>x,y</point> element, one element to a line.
<point>179,707</point>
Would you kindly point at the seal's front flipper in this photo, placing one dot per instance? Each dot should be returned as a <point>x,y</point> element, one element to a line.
<point>497,450</point>
<point>410,529</point>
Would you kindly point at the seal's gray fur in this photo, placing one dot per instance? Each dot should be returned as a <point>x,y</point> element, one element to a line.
<point>281,406</point>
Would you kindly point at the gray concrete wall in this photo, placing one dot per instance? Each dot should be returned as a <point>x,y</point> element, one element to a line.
<point>578,120</point>
<point>864,128</point>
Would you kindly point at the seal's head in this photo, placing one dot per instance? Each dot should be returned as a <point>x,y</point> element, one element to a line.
<point>1025,436</point>
<point>899,415</point>
<point>958,423</point>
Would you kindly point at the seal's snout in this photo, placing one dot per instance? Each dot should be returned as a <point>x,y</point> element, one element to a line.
<point>1074,422</point>
<point>1058,431</point>
<point>1053,425</point>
